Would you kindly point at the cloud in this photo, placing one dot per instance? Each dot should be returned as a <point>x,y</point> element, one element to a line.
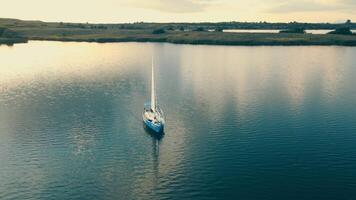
<point>114,11</point>
<point>313,6</point>
<point>174,6</point>
<point>349,4</point>
<point>301,6</point>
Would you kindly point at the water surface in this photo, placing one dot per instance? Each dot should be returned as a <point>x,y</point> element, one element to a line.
<point>242,122</point>
<point>311,31</point>
<point>251,31</point>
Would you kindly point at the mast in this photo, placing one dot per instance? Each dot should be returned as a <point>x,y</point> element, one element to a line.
<point>153,98</point>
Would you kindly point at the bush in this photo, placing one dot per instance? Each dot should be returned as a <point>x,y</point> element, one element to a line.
<point>2,29</point>
<point>7,33</point>
<point>219,29</point>
<point>342,31</point>
<point>158,31</point>
<point>170,28</point>
<point>199,29</point>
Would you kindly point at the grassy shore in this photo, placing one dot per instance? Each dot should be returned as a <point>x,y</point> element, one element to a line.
<point>12,41</point>
<point>10,37</point>
<point>143,32</point>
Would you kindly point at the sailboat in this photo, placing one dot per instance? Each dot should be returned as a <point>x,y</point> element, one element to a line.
<point>152,115</point>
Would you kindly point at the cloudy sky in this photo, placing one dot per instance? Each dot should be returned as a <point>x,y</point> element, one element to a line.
<point>112,11</point>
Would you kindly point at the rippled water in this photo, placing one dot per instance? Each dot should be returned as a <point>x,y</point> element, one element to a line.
<point>242,122</point>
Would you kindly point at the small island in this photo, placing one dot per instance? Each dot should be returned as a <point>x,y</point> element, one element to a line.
<point>14,30</point>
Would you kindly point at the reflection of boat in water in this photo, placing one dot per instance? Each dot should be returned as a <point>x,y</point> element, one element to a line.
<point>156,142</point>
<point>152,115</point>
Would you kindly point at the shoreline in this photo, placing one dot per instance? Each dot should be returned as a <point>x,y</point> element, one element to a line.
<point>285,40</point>
<point>22,31</point>
<point>239,39</point>
<point>12,41</point>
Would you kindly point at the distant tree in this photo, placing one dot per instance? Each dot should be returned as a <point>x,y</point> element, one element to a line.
<point>181,28</point>
<point>7,33</point>
<point>219,29</point>
<point>158,31</point>
<point>342,31</point>
<point>199,29</point>
<point>101,27</point>
<point>348,21</point>
<point>170,28</point>
<point>2,29</point>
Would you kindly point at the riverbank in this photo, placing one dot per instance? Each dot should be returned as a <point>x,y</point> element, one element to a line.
<point>10,37</point>
<point>207,38</point>
<point>37,30</point>
<point>12,41</point>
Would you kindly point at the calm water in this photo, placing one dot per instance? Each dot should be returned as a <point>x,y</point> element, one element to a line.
<point>324,31</point>
<point>242,122</point>
<point>251,31</point>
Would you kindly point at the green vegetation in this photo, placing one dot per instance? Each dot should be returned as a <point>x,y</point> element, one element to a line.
<point>219,29</point>
<point>10,37</point>
<point>199,29</point>
<point>11,41</point>
<point>342,31</point>
<point>183,33</point>
<point>159,31</point>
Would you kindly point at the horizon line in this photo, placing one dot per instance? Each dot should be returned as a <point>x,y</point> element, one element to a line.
<point>178,22</point>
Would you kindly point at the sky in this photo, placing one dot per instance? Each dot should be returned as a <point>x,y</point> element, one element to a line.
<point>118,11</point>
